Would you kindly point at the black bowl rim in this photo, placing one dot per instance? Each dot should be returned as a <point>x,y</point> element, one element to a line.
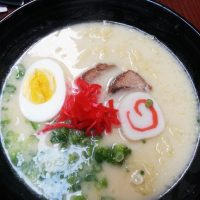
<point>160,5</point>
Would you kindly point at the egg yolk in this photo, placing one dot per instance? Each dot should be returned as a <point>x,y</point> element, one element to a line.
<point>40,87</point>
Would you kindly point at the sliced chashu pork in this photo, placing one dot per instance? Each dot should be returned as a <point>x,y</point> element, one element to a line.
<point>125,80</point>
<point>96,71</point>
<point>129,80</point>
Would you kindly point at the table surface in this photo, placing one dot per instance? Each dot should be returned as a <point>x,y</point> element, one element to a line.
<point>189,9</point>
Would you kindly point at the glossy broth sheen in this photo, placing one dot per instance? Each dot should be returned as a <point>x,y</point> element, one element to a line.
<point>163,158</point>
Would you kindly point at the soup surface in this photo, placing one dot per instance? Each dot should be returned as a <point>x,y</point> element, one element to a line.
<point>64,163</point>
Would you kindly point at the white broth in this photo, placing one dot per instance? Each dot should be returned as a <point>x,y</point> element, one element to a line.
<point>154,165</point>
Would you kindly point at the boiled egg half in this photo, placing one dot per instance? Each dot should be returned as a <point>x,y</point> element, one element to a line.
<point>140,116</point>
<point>43,91</point>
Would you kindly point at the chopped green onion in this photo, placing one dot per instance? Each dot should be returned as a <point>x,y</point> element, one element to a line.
<point>20,71</point>
<point>86,141</point>
<point>59,136</point>
<point>97,168</point>
<point>10,89</point>
<point>73,157</point>
<point>62,176</point>
<point>35,125</point>
<point>5,122</point>
<point>102,154</point>
<point>142,172</point>
<point>119,157</point>
<point>114,155</point>
<point>75,187</point>
<point>84,154</point>
<point>76,137</point>
<point>4,109</point>
<point>9,137</point>
<point>78,197</point>
<point>103,183</point>
<point>143,141</point>
<point>90,177</point>
<point>119,153</point>
<point>149,103</point>
<point>72,178</point>
<point>89,150</point>
<point>92,155</point>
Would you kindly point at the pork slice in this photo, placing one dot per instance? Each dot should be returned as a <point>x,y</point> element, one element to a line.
<point>129,79</point>
<point>96,71</point>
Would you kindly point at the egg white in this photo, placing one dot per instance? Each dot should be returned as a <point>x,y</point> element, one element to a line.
<point>145,120</point>
<point>44,111</point>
